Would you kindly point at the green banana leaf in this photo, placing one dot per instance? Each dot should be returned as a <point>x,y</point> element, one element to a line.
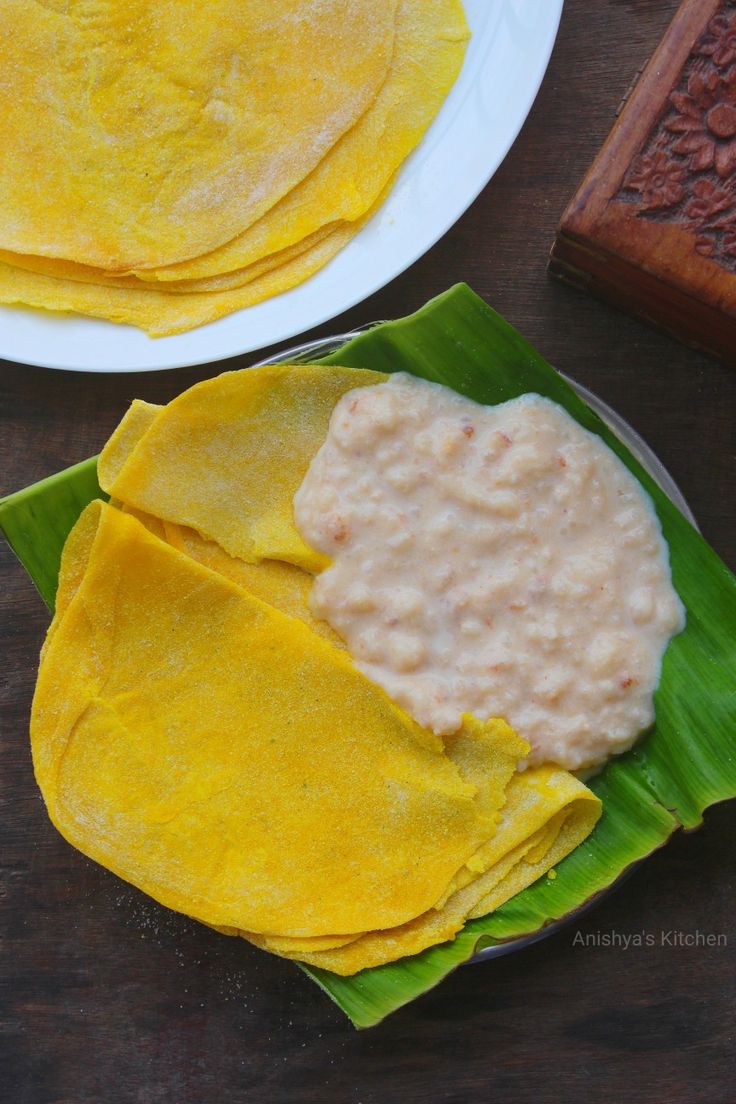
<point>37,520</point>
<point>686,763</point>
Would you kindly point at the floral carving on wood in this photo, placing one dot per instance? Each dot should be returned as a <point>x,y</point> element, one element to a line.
<point>686,172</point>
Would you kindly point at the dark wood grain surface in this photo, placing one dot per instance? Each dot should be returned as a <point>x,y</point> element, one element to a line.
<point>105,998</point>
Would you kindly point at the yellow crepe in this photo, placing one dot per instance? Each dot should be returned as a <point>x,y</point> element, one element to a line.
<point>160,312</point>
<point>137,420</point>
<point>430,42</point>
<point>548,813</point>
<point>226,760</point>
<point>227,456</point>
<point>532,819</point>
<point>192,732</point>
<point>277,583</point>
<point>88,274</point>
<point>153,131</point>
<point>74,557</point>
<point>280,584</point>
<point>429,46</point>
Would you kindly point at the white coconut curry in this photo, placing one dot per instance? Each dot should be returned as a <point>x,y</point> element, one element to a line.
<point>499,561</point>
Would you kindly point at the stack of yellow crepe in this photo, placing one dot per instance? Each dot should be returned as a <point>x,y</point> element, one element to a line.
<point>166,162</point>
<point>198,732</point>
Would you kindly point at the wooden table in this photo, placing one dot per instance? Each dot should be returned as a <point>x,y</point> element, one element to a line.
<point>106,998</point>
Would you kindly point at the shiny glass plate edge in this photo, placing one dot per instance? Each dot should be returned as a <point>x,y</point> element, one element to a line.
<point>312,350</point>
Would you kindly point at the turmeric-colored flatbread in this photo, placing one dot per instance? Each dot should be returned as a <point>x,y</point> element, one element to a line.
<point>160,312</point>
<point>548,812</point>
<point>137,420</point>
<point>280,584</point>
<point>531,819</point>
<point>188,171</point>
<point>227,456</point>
<point>429,47</point>
<point>222,757</point>
<point>276,582</point>
<point>198,731</point>
<point>140,133</point>
<point>88,274</point>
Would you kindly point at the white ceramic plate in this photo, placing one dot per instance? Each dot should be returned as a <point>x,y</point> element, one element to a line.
<point>506,60</point>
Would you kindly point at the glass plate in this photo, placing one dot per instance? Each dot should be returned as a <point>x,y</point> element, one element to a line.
<point>312,350</point>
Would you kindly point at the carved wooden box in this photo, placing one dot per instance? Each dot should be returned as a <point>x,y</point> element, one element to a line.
<point>653,225</point>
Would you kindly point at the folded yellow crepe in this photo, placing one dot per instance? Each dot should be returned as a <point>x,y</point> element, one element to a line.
<point>197,160</point>
<point>548,812</point>
<point>225,759</point>
<point>154,131</point>
<point>160,312</point>
<point>197,730</point>
<point>87,274</point>
<point>277,582</point>
<point>429,45</point>
<point>257,804</point>
<point>227,456</point>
